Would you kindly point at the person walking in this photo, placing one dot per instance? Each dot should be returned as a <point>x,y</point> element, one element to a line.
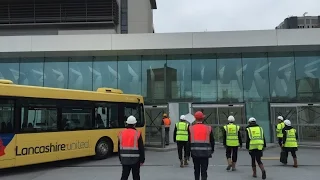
<point>167,123</point>
<point>232,141</point>
<point>181,136</point>
<point>131,150</point>
<point>202,146</point>
<point>255,144</point>
<point>290,142</point>
<point>279,128</point>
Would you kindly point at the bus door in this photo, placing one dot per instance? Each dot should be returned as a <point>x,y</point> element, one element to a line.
<point>7,137</point>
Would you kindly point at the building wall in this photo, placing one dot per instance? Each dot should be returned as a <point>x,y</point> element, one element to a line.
<point>140,18</point>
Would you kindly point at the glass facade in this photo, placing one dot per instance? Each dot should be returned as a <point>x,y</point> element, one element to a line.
<point>210,78</point>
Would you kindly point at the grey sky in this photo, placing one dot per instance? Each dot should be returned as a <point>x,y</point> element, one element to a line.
<point>227,15</point>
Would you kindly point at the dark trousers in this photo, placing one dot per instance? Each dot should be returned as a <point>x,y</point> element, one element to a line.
<point>292,151</point>
<point>255,157</point>
<point>232,152</point>
<point>183,145</point>
<point>167,132</point>
<point>135,171</point>
<point>200,167</point>
<point>280,141</point>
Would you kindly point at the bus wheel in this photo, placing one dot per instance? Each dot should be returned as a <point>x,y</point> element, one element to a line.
<point>103,148</point>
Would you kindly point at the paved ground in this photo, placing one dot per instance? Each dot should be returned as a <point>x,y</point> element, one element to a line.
<point>164,166</point>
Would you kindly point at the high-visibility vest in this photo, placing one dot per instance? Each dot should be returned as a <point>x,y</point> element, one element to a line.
<point>200,140</point>
<point>256,138</point>
<point>280,126</point>
<point>291,140</point>
<point>232,138</point>
<point>129,150</point>
<point>166,122</point>
<point>182,131</point>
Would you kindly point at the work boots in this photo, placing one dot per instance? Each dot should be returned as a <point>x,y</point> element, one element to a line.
<point>295,162</point>
<point>233,166</point>
<point>181,163</point>
<point>263,171</point>
<point>229,164</point>
<point>186,162</point>
<point>254,172</point>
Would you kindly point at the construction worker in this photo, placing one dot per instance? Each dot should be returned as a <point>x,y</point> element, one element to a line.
<point>279,128</point>
<point>166,122</point>
<point>181,136</point>
<point>232,141</point>
<point>131,150</point>
<point>255,144</point>
<point>290,142</point>
<point>202,146</point>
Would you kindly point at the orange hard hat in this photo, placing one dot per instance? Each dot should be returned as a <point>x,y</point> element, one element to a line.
<point>199,116</point>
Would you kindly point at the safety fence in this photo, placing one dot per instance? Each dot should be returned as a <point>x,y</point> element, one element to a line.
<point>155,136</point>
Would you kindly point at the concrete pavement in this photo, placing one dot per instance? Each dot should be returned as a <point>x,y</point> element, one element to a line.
<point>164,166</point>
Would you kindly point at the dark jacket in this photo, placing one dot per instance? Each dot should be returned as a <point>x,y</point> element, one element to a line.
<point>175,131</point>
<point>248,139</point>
<point>212,141</point>
<point>285,135</point>
<point>140,146</point>
<point>224,133</point>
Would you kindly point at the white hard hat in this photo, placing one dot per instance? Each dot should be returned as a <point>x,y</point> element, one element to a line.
<point>252,119</point>
<point>231,119</point>
<point>131,120</point>
<point>287,122</point>
<point>183,117</point>
<point>280,118</point>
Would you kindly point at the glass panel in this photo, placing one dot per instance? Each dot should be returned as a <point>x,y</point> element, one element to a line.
<point>237,112</point>
<point>255,77</point>
<point>204,78</point>
<point>308,76</point>
<point>129,79</point>
<point>56,72</point>
<point>178,80</point>
<point>153,77</point>
<point>282,77</point>
<point>80,73</point>
<point>9,69</point>
<point>76,119</point>
<point>260,111</point>
<point>229,69</point>
<point>38,119</point>
<point>105,72</point>
<point>31,71</point>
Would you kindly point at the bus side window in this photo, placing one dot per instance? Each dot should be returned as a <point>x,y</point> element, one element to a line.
<point>106,115</point>
<point>135,110</point>
<point>6,116</point>
<point>76,119</point>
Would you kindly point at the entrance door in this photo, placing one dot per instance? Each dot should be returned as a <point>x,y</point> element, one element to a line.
<point>304,117</point>
<point>217,115</point>
<point>153,115</point>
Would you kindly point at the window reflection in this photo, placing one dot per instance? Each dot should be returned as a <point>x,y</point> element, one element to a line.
<point>229,69</point>
<point>9,69</point>
<point>204,78</point>
<point>129,79</point>
<point>178,74</point>
<point>31,71</point>
<point>105,72</point>
<point>282,77</point>
<point>153,78</point>
<point>56,72</point>
<point>80,73</point>
<point>255,76</point>
<point>308,76</point>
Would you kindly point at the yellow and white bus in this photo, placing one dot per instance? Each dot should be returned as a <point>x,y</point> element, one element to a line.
<point>39,124</point>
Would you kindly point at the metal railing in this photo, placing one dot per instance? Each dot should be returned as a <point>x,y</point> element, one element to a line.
<point>155,136</point>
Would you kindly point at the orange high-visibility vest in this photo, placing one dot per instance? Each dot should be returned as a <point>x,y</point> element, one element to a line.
<point>129,150</point>
<point>200,140</point>
<point>166,122</point>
